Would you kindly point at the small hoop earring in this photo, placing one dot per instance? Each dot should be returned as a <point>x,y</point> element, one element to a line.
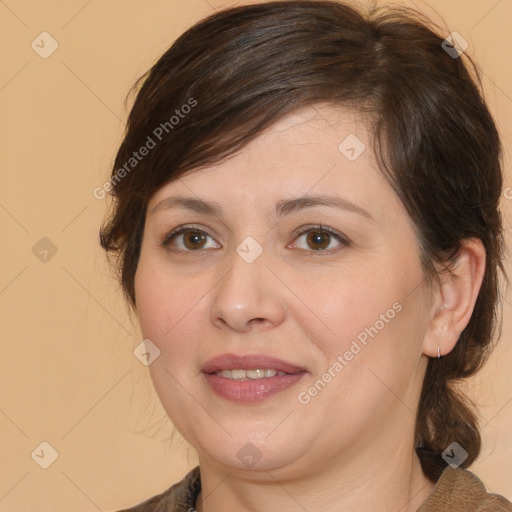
<point>438,352</point>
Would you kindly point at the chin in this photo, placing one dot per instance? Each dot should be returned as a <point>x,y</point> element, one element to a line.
<point>242,454</point>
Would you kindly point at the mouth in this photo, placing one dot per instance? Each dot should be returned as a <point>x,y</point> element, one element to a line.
<point>249,363</point>
<point>253,374</point>
<point>250,378</point>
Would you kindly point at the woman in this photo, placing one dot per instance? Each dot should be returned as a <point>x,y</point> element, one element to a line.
<point>306,223</point>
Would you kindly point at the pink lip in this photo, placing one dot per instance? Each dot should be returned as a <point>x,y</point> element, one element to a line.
<point>247,391</point>
<point>248,362</point>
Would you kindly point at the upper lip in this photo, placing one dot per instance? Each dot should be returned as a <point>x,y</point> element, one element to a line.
<point>248,362</point>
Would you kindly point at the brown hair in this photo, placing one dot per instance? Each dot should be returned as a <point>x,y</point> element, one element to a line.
<point>243,69</point>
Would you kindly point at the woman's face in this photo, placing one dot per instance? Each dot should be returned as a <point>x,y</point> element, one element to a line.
<point>343,305</point>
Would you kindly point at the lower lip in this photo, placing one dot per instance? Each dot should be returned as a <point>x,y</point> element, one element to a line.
<point>247,391</point>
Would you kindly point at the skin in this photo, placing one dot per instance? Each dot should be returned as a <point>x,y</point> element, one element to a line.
<point>352,446</point>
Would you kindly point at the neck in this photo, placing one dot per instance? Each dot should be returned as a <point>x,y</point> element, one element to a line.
<point>388,481</point>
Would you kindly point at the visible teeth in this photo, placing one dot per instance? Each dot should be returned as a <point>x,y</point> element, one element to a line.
<point>248,374</point>
<point>257,374</point>
<point>238,374</point>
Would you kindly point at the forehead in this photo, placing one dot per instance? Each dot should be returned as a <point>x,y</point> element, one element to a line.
<point>318,146</point>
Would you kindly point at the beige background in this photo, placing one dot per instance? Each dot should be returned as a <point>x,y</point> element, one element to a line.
<point>68,373</point>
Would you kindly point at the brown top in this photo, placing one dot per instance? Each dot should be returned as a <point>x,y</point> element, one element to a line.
<point>457,490</point>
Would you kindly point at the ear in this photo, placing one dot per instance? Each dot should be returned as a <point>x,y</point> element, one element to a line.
<point>455,299</point>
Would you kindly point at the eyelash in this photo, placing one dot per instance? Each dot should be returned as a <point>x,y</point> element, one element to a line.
<point>166,241</point>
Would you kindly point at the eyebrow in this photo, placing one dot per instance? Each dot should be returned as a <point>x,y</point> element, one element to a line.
<point>281,209</point>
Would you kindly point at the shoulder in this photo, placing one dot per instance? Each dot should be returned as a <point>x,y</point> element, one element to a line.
<point>180,497</point>
<point>459,490</point>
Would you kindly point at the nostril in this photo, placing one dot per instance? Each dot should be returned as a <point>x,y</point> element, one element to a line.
<point>257,321</point>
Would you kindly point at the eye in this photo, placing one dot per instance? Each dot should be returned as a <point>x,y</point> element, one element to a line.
<point>319,239</point>
<point>191,239</point>
<point>194,239</point>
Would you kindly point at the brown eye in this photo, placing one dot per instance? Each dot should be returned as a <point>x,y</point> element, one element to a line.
<point>187,240</point>
<point>319,239</point>
<point>194,240</point>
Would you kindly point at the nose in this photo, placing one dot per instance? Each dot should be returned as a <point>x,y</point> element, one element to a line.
<point>247,297</point>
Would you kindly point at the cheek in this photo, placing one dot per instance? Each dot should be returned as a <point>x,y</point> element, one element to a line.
<point>158,308</point>
<point>172,311</point>
<point>368,314</point>
<point>343,306</point>
<point>168,310</point>
<point>148,290</point>
<point>162,298</point>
